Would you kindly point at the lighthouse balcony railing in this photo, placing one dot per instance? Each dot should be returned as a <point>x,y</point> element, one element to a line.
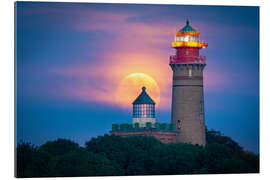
<point>196,60</point>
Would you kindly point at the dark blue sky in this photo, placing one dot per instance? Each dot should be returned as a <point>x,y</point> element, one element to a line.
<point>71,58</point>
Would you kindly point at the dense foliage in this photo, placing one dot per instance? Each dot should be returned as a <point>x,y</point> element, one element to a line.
<point>134,155</point>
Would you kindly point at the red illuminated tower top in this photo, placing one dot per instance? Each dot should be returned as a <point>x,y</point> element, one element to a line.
<point>187,44</point>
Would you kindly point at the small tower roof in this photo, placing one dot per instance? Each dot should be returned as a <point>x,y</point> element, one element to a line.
<point>143,98</point>
<point>187,28</point>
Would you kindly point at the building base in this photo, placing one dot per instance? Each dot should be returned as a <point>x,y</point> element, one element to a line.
<point>163,136</point>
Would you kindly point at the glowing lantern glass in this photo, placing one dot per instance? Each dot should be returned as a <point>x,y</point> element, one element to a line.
<point>143,106</point>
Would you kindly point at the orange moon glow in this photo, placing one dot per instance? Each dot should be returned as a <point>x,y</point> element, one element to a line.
<point>131,86</point>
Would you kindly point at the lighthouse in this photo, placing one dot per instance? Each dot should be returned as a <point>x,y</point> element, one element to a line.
<point>187,87</point>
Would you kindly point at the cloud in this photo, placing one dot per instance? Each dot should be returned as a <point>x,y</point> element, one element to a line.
<point>137,47</point>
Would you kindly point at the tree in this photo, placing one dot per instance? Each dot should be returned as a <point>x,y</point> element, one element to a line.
<point>134,155</point>
<point>131,153</point>
<point>224,155</point>
<point>83,163</point>
<point>25,154</point>
<point>177,158</point>
<point>59,147</point>
<point>216,137</point>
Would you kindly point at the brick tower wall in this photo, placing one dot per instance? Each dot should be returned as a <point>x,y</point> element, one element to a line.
<point>163,136</point>
<point>188,102</point>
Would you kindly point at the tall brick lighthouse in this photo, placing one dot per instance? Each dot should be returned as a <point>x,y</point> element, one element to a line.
<point>187,91</point>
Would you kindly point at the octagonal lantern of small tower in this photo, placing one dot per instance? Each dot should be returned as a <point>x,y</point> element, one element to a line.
<point>143,110</point>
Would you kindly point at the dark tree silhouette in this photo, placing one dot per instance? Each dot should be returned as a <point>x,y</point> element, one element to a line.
<point>25,156</point>
<point>134,155</point>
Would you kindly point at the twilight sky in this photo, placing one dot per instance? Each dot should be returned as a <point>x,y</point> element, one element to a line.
<point>74,62</point>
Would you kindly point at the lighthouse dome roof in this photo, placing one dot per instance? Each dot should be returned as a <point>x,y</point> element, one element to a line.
<point>143,98</point>
<point>187,28</point>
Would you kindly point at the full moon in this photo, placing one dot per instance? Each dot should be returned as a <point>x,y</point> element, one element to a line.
<point>131,86</point>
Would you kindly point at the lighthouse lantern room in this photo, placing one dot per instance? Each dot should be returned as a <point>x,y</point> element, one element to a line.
<point>143,110</point>
<point>187,44</point>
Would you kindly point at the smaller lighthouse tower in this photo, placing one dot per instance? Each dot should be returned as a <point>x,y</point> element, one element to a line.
<point>187,90</point>
<point>143,109</point>
<point>144,122</point>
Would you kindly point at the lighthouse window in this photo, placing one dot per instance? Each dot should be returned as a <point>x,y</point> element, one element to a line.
<point>144,111</point>
<point>186,38</point>
<point>190,73</point>
<point>181,38</point>
<point>178,124</point>
<point>201,107</point>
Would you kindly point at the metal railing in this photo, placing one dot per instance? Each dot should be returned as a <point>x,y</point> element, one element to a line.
<point>197,60</point>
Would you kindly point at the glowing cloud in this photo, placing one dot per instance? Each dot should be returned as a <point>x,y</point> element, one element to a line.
<point>136,47</point>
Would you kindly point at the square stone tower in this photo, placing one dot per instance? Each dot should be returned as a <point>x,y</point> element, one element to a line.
<point>187,91</point>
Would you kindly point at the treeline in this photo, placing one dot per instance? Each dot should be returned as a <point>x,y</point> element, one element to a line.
<point>134,155</point>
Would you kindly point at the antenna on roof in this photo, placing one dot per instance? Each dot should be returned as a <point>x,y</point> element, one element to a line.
<point>187,22</point>
<point>143,88</point>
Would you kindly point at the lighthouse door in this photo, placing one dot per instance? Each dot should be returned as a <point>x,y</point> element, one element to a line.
<point>178,125</point>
